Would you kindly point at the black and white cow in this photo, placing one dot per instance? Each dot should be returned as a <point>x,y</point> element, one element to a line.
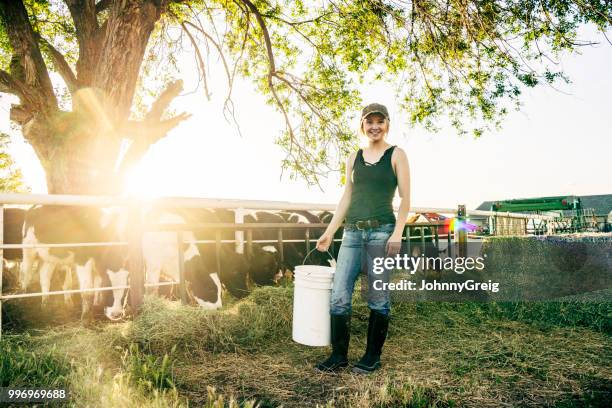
<point>234,266</point>
<point>161,259</point>
<point>265,264</point>
<point>297,253</point>
<point>11,258</point>
<point>64,225</point>
<point>12,232</point>
<point>294,253</point>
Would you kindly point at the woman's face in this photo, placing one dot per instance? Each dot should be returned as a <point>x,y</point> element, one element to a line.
<point>375,127</point>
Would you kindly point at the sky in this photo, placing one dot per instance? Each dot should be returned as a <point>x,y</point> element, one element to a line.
<point>560,143</point>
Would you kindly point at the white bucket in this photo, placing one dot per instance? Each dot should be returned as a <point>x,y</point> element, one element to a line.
<point>311,299</point>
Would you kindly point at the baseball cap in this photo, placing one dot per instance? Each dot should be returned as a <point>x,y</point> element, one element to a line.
<point>375,108</point>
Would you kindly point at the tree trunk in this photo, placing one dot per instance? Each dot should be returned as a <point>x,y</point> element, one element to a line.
<point>69,175</point>
<point>129,28</point>
<point>79,150</point>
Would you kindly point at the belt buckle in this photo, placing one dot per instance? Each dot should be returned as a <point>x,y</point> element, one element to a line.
<point>361,225</point>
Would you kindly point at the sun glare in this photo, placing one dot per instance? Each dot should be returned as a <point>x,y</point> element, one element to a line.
<point>141,182</point>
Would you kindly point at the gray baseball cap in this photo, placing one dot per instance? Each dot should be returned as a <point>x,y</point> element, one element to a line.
<point>375,108</point>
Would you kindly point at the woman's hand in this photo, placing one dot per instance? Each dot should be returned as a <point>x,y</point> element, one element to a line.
<point>324,242</point>
<point>394,244</point>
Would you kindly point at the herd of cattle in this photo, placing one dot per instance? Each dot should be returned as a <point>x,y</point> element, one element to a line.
<point>98,266</point>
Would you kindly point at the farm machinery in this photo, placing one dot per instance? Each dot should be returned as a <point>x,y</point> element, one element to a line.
<point>568,213</point>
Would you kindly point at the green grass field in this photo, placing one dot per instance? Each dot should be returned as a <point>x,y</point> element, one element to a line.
<point>436,355</point>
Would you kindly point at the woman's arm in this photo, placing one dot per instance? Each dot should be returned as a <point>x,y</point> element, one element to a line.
<point>402,172</point>
<point>325,241</point>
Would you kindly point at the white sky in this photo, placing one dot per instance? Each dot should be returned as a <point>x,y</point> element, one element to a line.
<point>557,144</point>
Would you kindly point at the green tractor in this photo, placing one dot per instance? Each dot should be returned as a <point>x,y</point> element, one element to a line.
<point>567,210</point>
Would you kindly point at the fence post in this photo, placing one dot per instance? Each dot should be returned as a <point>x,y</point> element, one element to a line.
<point>436,237</point>
<point>239,234</point>
<point>449,242</point>
<point>249,234</point>
<point>218,251</point>
<point>408,240</point>
<point>181,267</point>
<point>137,279</point>
<point>280,245</point>
<point>462,231</point>
<point>1,260</point>
<point>423,240</point>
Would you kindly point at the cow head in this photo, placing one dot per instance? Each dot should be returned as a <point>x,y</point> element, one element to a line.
<point>234,272</point>
<point>120,278</point>
<point>113,261</point>
<point>205,284</point>
<point>264,265</point>
<point>26,269</point>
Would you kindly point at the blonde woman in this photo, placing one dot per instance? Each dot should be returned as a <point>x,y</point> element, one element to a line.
<point>371,229</point>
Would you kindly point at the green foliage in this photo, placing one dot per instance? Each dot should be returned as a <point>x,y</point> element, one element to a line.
<point>20,366</point>
<point>465,62</point>
<point>147,371</point>
<point>408,395</point>
<point>595,315</point>
<point>5,49</point>
<point>11,178</point>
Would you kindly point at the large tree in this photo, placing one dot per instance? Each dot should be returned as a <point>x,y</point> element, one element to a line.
<point>465,61</point>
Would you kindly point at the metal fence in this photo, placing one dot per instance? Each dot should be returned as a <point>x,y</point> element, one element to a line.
<point>423,231</point>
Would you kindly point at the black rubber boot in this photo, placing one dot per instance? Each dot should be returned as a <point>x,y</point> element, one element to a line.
<point>340,335</point>
<point>377,333</point>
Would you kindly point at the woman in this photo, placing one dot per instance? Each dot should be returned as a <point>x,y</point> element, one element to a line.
<point>371,230</point>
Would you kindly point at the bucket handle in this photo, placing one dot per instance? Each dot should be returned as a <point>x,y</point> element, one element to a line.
<point>311,251</point>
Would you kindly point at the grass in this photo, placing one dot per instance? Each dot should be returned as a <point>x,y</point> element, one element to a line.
<point>21,367</point>
<point>436,355</point>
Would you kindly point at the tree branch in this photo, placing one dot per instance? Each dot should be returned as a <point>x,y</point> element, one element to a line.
<point>149,131</point>
<point>266,35</point>
<point>28,70</point>
<point>228,104</point>
<point>7,83</point>
<point>20,115</point>
<point>302,151</point>
<point>12,85</point>
<point>83,14</point>
<point>163,101</point>
<point>103,5</point>
<point>201,65</point>
<point>217,46</point>
<point>60,64</point>
<point>129,27</point>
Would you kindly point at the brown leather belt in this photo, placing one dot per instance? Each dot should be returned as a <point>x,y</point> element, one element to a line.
<point>361,225</point>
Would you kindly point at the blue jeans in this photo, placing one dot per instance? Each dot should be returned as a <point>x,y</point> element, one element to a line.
<point>357,252</point>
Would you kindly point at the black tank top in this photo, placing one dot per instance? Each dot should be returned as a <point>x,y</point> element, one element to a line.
<point>374,186</point>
